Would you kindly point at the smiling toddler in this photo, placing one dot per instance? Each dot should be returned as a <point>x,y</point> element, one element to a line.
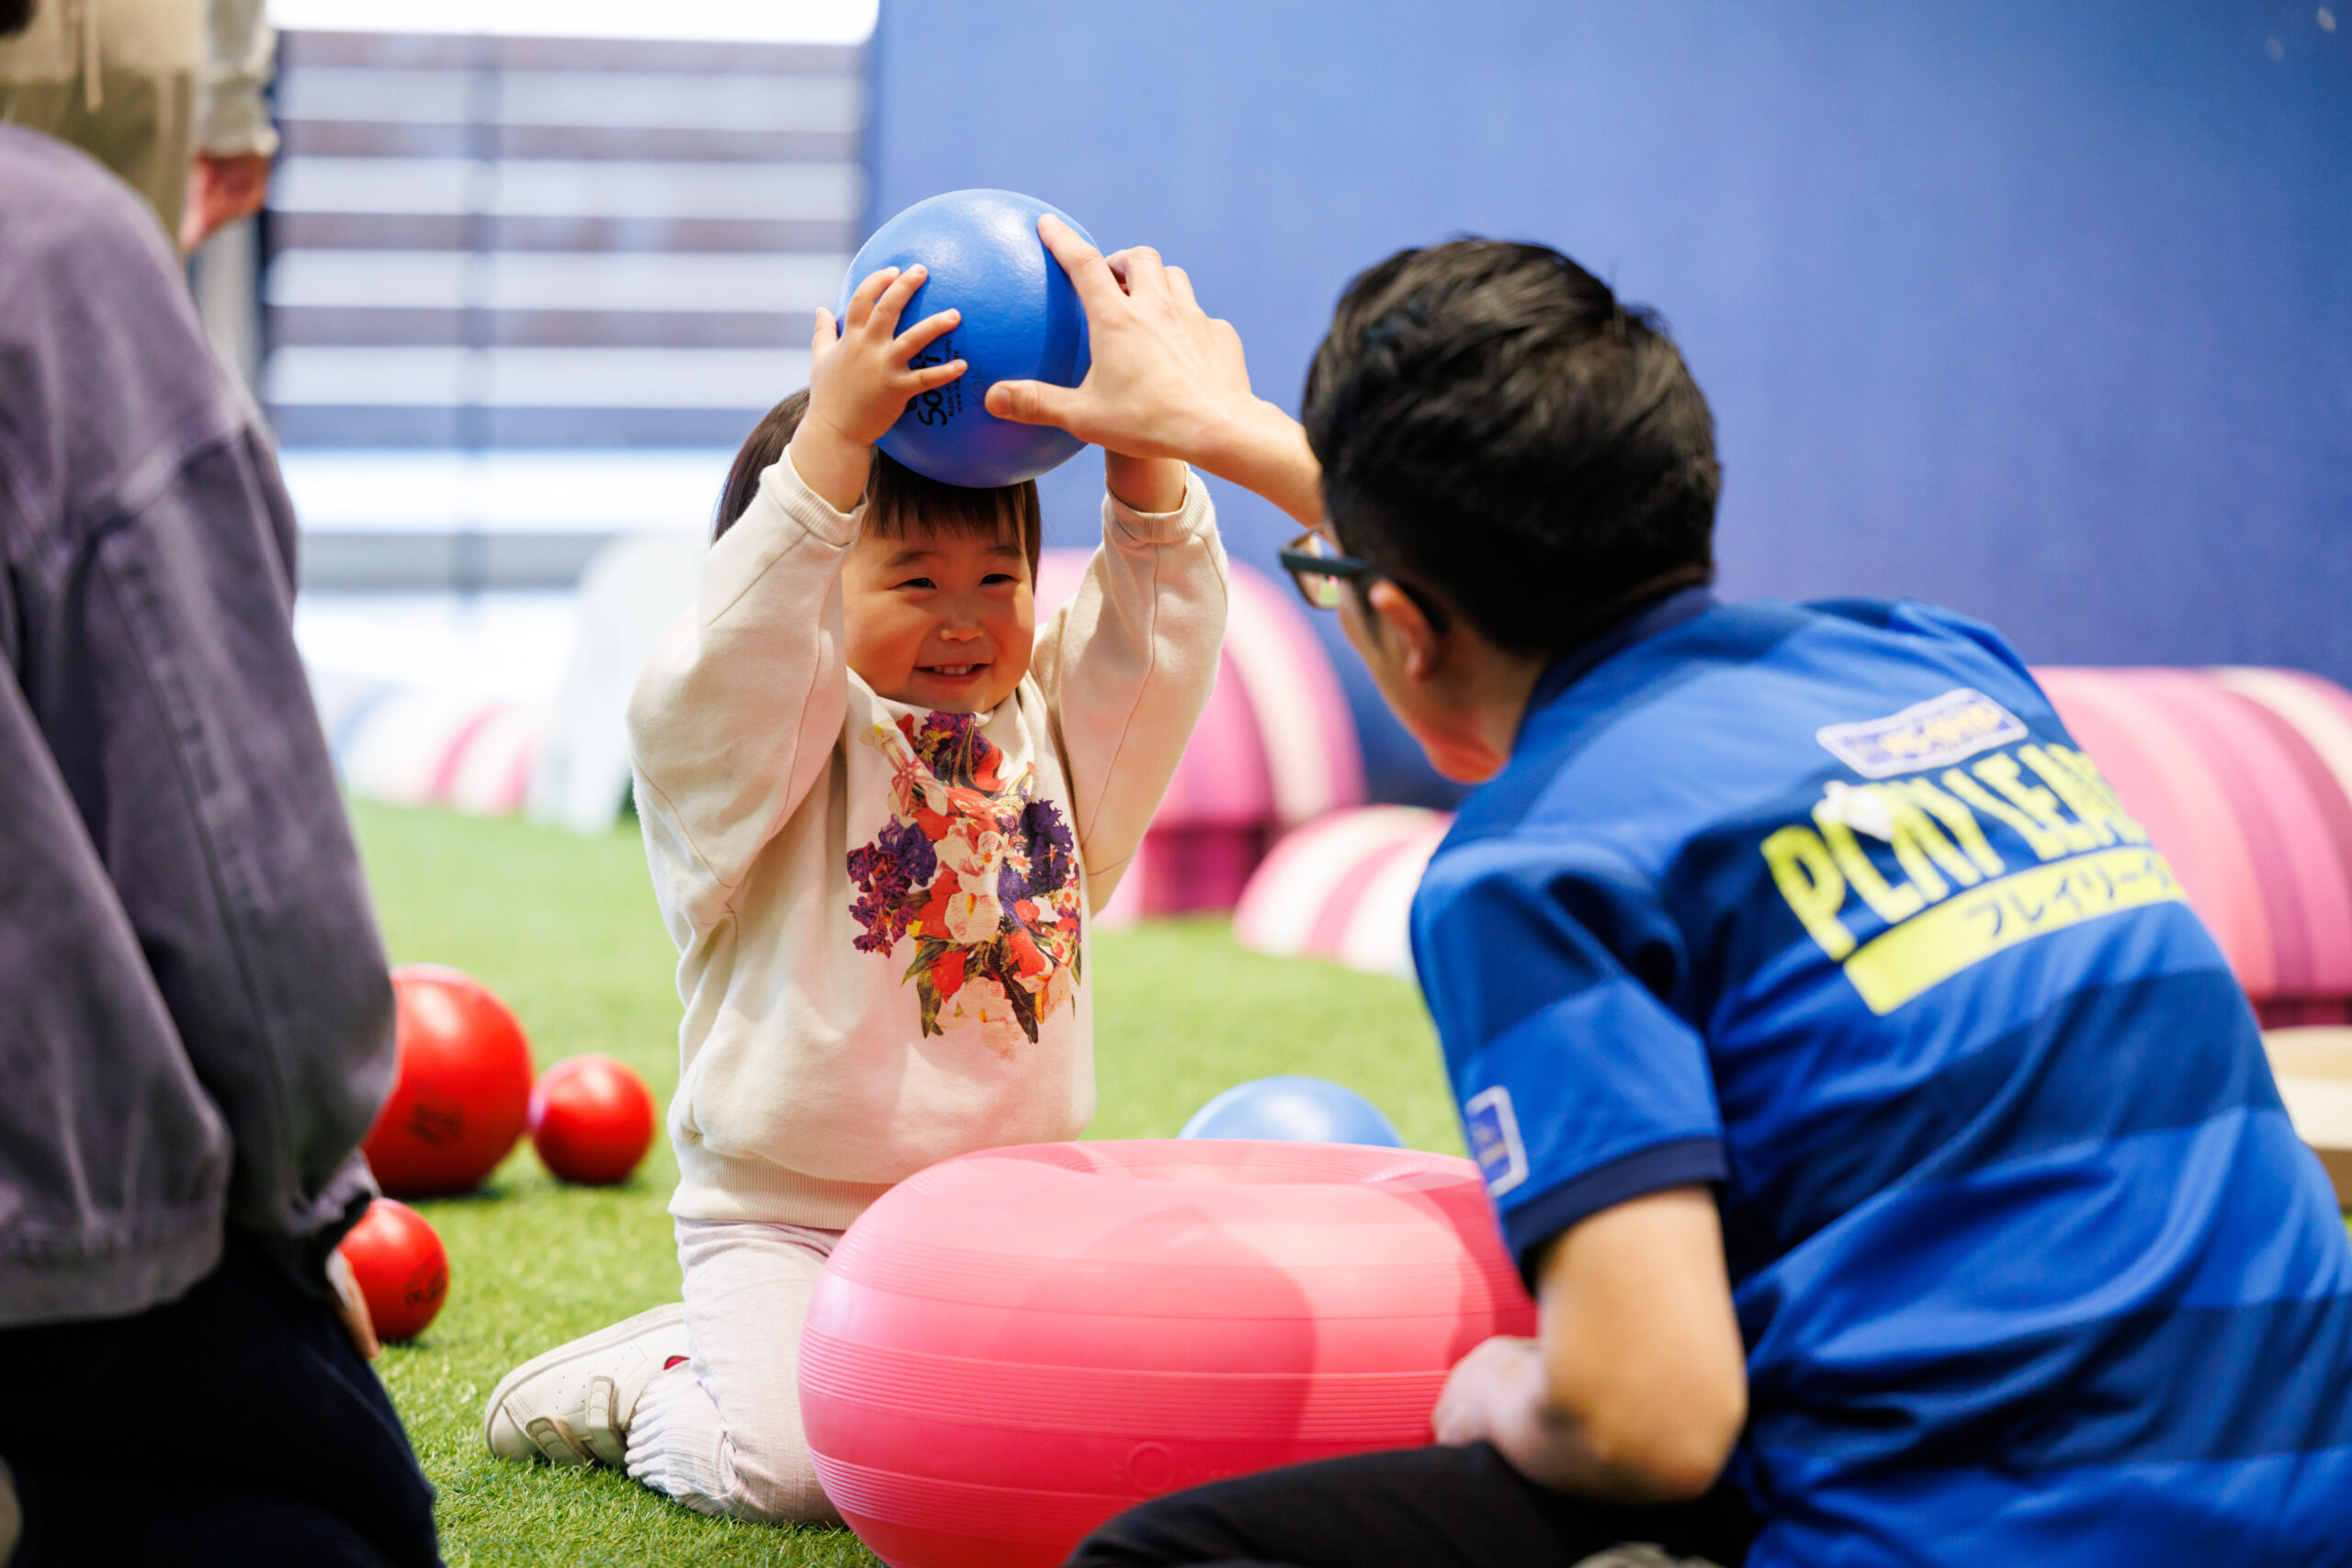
<point>880,804</point>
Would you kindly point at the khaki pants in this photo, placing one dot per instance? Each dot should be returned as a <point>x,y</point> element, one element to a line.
<point>117,78</point>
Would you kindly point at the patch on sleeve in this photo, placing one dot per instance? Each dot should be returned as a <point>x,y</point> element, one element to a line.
<point>1494,1139</point>
<point>1932,734</point>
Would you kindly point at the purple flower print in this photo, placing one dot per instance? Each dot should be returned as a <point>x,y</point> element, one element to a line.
<point>1052,848</point>
<point>895,873</point>
<point>905,843</point>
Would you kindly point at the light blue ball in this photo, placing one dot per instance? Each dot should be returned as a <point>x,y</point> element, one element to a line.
<point>1296,1110</point>
<point>1022,322</point>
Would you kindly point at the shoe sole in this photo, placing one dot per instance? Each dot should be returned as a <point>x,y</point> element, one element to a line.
<point>626,1329</point>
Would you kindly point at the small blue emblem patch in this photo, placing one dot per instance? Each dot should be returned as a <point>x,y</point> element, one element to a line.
<point>1494,1139</point>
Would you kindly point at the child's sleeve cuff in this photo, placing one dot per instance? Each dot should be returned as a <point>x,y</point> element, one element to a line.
<point>1160,527</point>
<point>783,485</point>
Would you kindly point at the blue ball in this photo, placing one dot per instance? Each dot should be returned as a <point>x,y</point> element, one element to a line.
<point>1296,1110</point>
<point>1022,322</point>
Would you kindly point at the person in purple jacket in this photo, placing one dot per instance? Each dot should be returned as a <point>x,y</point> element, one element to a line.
<point>195,1016</point>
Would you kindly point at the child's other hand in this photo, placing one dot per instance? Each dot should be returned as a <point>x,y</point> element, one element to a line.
<point>860,379</point>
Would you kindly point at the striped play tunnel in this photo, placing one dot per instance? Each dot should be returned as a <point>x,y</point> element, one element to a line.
<point>422,748</point>
<point>1339,888</point>
<point>2242,776</point>
<point>1275,749</point>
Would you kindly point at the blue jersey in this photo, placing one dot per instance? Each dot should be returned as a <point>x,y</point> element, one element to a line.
<point>1824,906</point>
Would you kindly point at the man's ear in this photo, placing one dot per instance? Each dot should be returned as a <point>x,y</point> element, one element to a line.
<point>1394,614</point>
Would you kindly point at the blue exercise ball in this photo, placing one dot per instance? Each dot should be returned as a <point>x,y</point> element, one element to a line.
<point>1022,322</point>
<point>1296,1110</point>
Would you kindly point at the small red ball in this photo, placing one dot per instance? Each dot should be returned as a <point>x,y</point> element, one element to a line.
<point>463,1088</point>
<point>402,1268</point>
<point>591,1120</point>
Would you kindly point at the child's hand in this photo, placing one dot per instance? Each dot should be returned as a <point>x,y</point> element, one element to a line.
<point>860,381</point>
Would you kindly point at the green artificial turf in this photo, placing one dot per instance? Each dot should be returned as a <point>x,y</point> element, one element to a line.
<point>565,928</point>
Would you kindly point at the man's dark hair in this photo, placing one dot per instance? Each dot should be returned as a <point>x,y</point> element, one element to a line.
<point>1494,426</point>
<point>895,494</point>
<point>16,15</point>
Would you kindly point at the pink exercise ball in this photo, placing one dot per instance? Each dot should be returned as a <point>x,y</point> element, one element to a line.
<point>1011,1347</point>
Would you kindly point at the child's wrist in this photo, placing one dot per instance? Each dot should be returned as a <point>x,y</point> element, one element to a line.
<point>1151,486</point>
<point>833,465</point>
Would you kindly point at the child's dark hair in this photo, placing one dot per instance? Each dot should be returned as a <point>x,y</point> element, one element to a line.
<point>1495,426</point>
<point>894,492</point>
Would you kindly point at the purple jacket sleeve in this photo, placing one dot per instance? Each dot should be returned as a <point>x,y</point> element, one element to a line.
<point>195,1016</point>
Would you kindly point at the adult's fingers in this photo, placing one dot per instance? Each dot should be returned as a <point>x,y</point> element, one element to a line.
<point>1145,274</point>
<point>1089,273</point>
<point>1179,283</point>
<point>351,1307</point>
<point>1032,402</point>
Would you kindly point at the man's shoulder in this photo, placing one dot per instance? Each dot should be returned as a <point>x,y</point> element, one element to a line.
<point>1720,716</point>
<point>83,264</point>
<point>57,199</point>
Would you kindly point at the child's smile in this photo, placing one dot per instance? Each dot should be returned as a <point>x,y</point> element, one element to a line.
<point>939,620</point>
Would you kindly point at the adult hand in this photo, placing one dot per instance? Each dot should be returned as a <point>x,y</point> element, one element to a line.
<point>351,1307</point>
<point>1503,1374</point>
<point>1165,375</point>
<point>1167,379</point>
<point>220,190</point>
<point>1637,1387</point>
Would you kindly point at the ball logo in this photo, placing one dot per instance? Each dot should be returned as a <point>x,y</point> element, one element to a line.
<point>940,404</point>
<point>426,1283</point>
<point>439,1122</point>
<point>1151,1467</point>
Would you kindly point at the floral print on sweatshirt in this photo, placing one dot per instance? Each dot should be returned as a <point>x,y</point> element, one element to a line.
<point>982,876</point>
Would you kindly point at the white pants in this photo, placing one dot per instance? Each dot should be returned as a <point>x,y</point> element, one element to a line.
<point>721,1433</point>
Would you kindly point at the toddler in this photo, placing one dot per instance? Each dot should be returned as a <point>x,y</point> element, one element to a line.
<point>879,805</point>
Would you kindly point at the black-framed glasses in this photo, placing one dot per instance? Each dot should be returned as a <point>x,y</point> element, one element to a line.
<point>1316,565</point>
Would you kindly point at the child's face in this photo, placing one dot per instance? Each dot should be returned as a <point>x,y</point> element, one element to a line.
<point>939,620</point>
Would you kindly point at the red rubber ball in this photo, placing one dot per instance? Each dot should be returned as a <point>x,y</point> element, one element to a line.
<point>402,1268</point>
<point>462,1089</point>
<point>591,1120</point>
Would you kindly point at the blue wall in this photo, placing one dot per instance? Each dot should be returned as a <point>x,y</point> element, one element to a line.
<point>2042,310</point>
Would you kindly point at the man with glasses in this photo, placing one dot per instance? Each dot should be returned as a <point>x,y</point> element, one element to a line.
<point>1889,1148</point>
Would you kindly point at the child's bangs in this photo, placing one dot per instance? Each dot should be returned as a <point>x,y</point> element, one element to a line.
<point>899,498</point>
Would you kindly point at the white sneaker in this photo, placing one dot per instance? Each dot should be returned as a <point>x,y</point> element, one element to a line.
<point>572,1405</point>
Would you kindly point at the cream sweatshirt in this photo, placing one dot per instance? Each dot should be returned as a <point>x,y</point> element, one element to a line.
<point>880,910</point>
